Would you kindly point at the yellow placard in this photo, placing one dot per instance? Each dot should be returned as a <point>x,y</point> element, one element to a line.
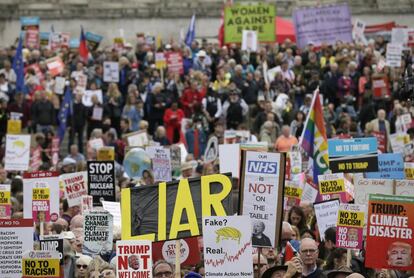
<point>409,173</point>
<point>350,218</point>
<point>5,198</point>
<point>331,186</point>
<point>14,126</point>
<point>293,192</point>
<point>106,153</point>
<point>40,268</point>
<point>41,194</point>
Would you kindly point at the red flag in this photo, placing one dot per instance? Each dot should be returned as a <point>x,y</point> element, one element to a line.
<point>289,252</point>
<point>83,49</point>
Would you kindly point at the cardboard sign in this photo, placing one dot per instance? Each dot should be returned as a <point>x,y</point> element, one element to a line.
<point>322,25</point>
<point>326,215</point>
<point>137,139</point>
<point>189,251</point>
<point>353,155</point>
<point>134,258</point>
<point>161,163</point>
<point>175,62</point>
<point>98,233</point>
<point>5,202</point>
<point>17,155</point>
<point>399,141</point>
<point>106,153</point>
<point>75,186</point>
<point>157,211</point>
<point>256,17</point>
<point>53,243</point>
<point>249,41</point>
<point>394,53</point>
<point>160,61</point>
<point>349,227</point>
<point>409,170</point>
<point>40,264</point>
<point>262,180</point>
<point>41,196</point>
<point>227,246</point>
<point>364,187</point>
<point>101,181</point>
<point>332,186</point>
<point>18,238</point>
<point>390,166</point>
<point>55,66</point>
<point>404,187</point>
<point>87,204</point>
<point>113,208</point>
<point>111,72</point>
<point>211,152</point>
<point>390,239</point>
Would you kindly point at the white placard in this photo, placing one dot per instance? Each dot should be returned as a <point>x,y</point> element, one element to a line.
<point>17,152</point>
<point>230,165</point>
<point>98,233</point>
<point>59,85</point>
<point>404,187</point>
<point>75,186</point>
<point>249,41</point>
<point>161,162</point>
<point>97,113</point>
<point>309,194</point>
<point>326,215</point>
<point>87,97</point>
<point>113,208</point>
<point>394,52</point>
<point>134,258</point>
<point>364,187</point>
<point>399,36</point>
<point>111,72</point>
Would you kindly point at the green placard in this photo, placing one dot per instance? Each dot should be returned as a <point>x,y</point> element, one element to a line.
<point>257,17</point>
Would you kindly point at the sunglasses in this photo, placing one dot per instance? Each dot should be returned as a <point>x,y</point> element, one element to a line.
<point>82,266</point>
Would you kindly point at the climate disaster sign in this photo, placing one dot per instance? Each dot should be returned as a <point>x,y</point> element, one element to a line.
<point>262,192</point>
<point>133,259</point>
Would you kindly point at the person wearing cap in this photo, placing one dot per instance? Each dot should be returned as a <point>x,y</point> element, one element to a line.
<point>199,63</point>
<point>68,165</point>
<point>187,170</point>
<point>341,272</point>
<point>235,109</point>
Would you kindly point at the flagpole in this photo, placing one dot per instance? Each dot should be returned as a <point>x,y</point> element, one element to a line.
<point>308,116</point>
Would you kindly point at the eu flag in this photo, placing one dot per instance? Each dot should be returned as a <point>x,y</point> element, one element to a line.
<point>64,112</point>
<point>18,66</point>
<point>191,32</point>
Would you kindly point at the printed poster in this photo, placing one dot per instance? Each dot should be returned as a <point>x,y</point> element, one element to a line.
<point>175,62</point>
<point>55,66</point>
<point>332,186</point>
<point>189,251</point>
<point>161,162</point>
<point>17,155</point>
<point>40,264</point>
<point>98,233</point>
<point>350,226</point>
<point>394,53</point>
<point>101,181</point>
<point>75,186</point>
<point>134,258</point>
<point>326,215</point>
<point>41,202</point>
<point>5,202</point>
<point>292,197</point>
<point>111,72</point>
<point>113,208</point>
<point>227,246</point>
<point>390,166</point>
<point>53,243</point>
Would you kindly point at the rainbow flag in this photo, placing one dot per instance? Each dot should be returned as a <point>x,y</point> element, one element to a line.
<point>314,140</point>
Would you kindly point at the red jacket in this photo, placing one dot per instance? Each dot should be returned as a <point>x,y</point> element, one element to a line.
<point>191,97</point>
<point>172,120</point>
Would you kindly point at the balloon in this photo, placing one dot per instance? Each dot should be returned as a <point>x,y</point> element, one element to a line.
<point>136,161</point>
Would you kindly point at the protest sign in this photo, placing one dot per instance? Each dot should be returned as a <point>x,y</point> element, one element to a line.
<point>29,22</point>
<point>175,153</point>
<point>81,83</point>
<point>211,152</point>
<point>44,38</point>
<point>161,162</point>
<point>381,87</point>
<point>101,181</point>
<point>227,246</point>
<point>97,113</point>
<point>409,170</point>
<point>17,152</point>
<point>332,186</point>
<point>382,140</point>
<point>105,153</point>
<point>358,31</point>
<point>55,66</point>
<point>41,196</point>
<point>292,196</point>
<point>111,71</point>
<point>98,233</point>
<point>398,142</point>
<point>134,258</point>
<point>156,211</point>
<point>113,208</point>
<point>390,166</point>
<point>93,40</point>
<point>390,239</point>
<point>87,97</point>
<point>230,165</point>
<point>16,237</point>
<point>160,61</point>
<point>322,25</point>
<point>256,17</point>
<point>364,187</point>
<point>261,181</point>
<point>52,243</point>
<point>353,155</point>
<point>404,187</point>
<point>249,41</point>
<point>86,204</point>
<point>32,39</point>
<point>75,186</point>
<point>59,85</point>
<point>43,264</point>
<point>14,126</point>
<point>5,202</point>
<point>137,139</point>
<point>189,251</point>
<point>119,44</point>
<point>175,62</point>
<point>394,52</point>
<point>403,123</point>
<point>399,36</point>
<point>309,193</point>
<point>349,227</point>
<point>295,160</point>
<point>74,43</point>
<point>326,215</point>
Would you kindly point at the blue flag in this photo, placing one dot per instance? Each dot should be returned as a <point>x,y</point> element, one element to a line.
<point>191,32</point>
<point>18,66</point>
<point>64,112</point>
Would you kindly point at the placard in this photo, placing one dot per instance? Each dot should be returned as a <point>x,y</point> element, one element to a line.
<point>403,123</point>
<point>75,186</point>
<point>349,227</point>
<point>98,233</point>
<point>211,152</point>
<point>399,36</point>
<point>262,181</point>
<point>364,187</point>
<point>93,40</point>
<point>111,72</point>
<point>18,237</point>
<point>137,139</point>
<point>17,155</point>
<point>409,170</point>
<point>55,66</point>
<point>227,246</point>
<point>101,181</point>
<point>309,194</point>
<point>249,41</point>
<point>390,166</point>
<point>175,62</point>
<point>44,264</point>
<point>105,153</point>
<point>41,202</point>
<point>87,204</point>
<point>332,186</point>
<point>60,83</point>
<point>53,243</point>
<point>189,251</point>
<point>394,52</point>
<point>160,61</point>
<point>5,201</point>
<point>404,187</point>
<point>161,162</point>
<point>292,196</point>
<point>326,215</point>
<point>87,97</point>
<point>133,258</point>
<point>113,208</point>
<point>230,165</point>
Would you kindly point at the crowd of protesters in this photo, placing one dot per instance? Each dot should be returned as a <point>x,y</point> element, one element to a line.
<point>222,88</point>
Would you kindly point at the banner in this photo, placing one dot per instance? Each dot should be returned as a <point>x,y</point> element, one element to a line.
<point>353,155</point>
<point>256,17</point>
<point>133,258</point>
<point>41,196</point>
<point>75,186</point>
<point>161,162</point>
<point>326,215</point>
<point>189,251</point>
<point>322,25</point>
<point>349,227</point>
<point>394,53</point>
<point>390,240</point>
<point>332,186</point>
<point>44,264</point>
<point>53,243</point>
<point>97,233</point>
<point>172,210</point>
<point>409,170</point>
<point>175,62</point>
<point>16,237</point>
<point>249,41</point>
<point>111,72</point>
<point>17,155</point>
<point>227,246</point>
<point>93,40</point>
<point>390,166</point>
<point>5,202</point>
<point>262,181</point>
<point>101,181</point>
